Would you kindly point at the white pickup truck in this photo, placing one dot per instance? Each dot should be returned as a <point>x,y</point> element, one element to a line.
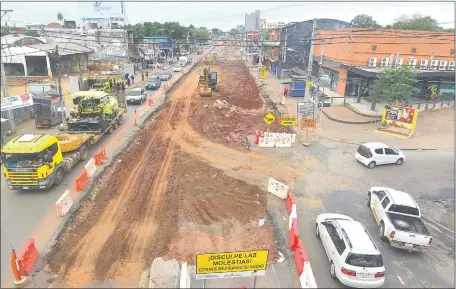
<point>399,219</point>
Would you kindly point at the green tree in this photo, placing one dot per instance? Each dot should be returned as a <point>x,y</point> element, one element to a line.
<point>216,31</point>
<point>448,30</point>
<point>201,34</point>
<point>233,31</point>
<point>365,21</point>
<point>416,22</point>
<point>393,85</point>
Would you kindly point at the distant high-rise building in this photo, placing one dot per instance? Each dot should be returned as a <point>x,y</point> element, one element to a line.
<point>252,21</point>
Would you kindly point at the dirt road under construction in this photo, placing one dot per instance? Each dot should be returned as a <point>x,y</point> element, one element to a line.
<point>170,192</point>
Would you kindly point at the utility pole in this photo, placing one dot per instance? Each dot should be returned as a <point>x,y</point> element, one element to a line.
<point>320,64</point>
<point>56,56</point>
<point>285,47</point>
<point>5,85</point>
<point>310,62</point>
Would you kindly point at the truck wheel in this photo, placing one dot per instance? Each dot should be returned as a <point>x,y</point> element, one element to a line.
<point>109,131</point>
<point>83,151</point>
<point>58,177</point>
<point>381,230</point>
<point>114,125</point>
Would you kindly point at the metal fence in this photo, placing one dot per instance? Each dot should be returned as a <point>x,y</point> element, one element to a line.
<point>19,115</point>
<point>430,104</point>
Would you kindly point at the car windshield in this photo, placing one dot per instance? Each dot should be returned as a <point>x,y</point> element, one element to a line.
<point>361,260</point>
<point>98,85</point>
<point>135,92</point>
<point>152,79</point>
<point>24,160</point>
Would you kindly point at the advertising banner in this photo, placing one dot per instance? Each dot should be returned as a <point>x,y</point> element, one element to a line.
<point>14,102</point>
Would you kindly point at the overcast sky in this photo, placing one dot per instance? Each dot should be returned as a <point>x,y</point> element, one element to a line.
<point>225,15</point>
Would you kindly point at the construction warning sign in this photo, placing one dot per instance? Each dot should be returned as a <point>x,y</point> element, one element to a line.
<point>269,118</point>
<point>288,120</point>
<point>308,123</point>
<point>231,262</point>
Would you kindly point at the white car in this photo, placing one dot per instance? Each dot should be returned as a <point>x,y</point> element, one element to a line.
<point>177,68</point>
<point>354,258</point>
<point>137,95</point>
<point>377,153</point>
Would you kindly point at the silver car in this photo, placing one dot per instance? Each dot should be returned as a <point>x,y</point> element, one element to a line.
<point>136,96</point>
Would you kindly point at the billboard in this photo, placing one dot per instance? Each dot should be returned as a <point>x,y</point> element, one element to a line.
<point>100,11</point>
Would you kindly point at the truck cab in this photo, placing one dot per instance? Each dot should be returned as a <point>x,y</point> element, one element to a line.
<point>32,161</point>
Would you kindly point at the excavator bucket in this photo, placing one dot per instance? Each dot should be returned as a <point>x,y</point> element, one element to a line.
<point>205,91</point>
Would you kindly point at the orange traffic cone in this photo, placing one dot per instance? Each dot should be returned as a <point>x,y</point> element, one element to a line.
<point>151,101</point>
<point>19,281</point>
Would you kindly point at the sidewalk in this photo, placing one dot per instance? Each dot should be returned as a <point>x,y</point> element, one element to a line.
<point>434,129</point>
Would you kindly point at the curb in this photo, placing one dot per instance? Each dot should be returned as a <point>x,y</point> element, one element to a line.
<point>346,121</point>
<point>350,107</point>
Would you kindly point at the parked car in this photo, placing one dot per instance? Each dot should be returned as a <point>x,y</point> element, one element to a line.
<point>153,82</point>
<point>137,95</point>
<point>354,257</point>
<point>399,219</point>
<point>177,68</point>
<point>377,153</point>
<point>166,76</point>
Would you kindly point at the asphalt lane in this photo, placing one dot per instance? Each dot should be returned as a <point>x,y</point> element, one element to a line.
<point>341,184</point>
<point>22,211</point>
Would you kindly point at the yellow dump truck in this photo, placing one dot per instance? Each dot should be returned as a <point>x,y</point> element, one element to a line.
<point>37,161</point>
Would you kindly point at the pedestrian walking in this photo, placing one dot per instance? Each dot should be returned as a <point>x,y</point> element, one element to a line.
<point>132,79</point>
<point>142,76</point>
<point>122,86</point>
<point>128,82</point>
<point>285,91</point>
<point>147,73</point>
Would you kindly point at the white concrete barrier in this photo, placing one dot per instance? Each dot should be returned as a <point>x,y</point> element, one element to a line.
<point>64,204</point>
<point>278,189</point>
<point>184,276</point>
<point>307,277</point>
<point>91,167</point>
<point>266,142</point>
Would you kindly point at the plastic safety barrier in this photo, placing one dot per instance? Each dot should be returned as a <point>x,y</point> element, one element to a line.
<point>100,156</point>
<point>291,201</point>
<point>300,256</point>
<point>307,278</point>
<point>82,181</point>
<point>184,276</point>
<point>64,204</point>
<point>90,167</point>
<point>293,235</point>
<point>27,258</point>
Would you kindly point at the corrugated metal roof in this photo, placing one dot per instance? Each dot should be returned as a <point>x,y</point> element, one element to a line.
<point>12,38</point>
<point>65,48</point>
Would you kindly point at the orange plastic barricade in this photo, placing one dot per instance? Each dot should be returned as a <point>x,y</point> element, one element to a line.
<point>300,256</point>
<point>27,258</point>
<point>100,156</point>
<point>290,201</point>
<point>82,181</point>
<point>13,260</point>
<point>151,101</point>
<point>293,234</point>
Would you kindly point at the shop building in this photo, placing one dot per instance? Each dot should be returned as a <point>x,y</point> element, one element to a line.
<point>351,59</point>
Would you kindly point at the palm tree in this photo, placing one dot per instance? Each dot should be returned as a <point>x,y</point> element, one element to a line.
<point>59,16</point>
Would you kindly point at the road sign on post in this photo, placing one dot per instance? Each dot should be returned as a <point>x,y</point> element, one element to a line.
<point>288,120</point>
<point>263,72</point>
<point>308,123</point>
<point>231,264</point>
<point>269,118</point>
<point>306,109</point>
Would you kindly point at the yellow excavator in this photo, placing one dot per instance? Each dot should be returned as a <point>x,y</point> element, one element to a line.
<point>208,81</point>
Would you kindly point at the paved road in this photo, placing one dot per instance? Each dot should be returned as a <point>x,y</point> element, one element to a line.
<point>340,184</point>
<point>22,211</point>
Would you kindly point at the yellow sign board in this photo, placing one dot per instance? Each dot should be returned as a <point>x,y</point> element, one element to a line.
<point>231,262</point>
<point>269,118</point>
<point>288,120</point>
<point>309,84</point>
<point>263,73</point>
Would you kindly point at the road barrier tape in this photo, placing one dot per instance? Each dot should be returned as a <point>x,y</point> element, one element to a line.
<point>90,167</point>
<point>82,181</point>
<point>64,204</point>
<point>300,256</point>
<point>27,258</point>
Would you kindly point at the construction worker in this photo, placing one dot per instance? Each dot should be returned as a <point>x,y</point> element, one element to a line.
<point>285,91</point>
<point>142,76</point>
